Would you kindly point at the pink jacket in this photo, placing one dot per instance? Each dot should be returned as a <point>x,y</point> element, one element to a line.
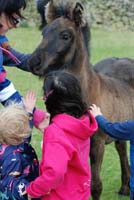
<point>64,169</point>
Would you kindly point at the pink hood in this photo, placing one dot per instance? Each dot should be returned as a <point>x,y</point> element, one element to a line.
<point>82,128</point>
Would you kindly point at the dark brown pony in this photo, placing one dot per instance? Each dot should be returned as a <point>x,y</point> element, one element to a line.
<point>65,46</point>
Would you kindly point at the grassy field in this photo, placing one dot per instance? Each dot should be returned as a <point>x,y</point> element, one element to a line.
<point>103,44</point>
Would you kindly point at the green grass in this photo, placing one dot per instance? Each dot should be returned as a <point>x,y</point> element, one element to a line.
<point>111,43</point>
<point>104,44</point>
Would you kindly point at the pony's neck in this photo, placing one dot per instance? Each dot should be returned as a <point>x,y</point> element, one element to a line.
<point>84,71</point>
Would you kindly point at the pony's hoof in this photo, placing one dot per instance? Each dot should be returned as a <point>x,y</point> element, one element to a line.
<point>125,191</point>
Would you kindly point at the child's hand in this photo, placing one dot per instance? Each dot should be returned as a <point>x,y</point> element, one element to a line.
<point>44,123</point>
<point>29,101</point>
<point>29,197</point>
<point>95,110</point>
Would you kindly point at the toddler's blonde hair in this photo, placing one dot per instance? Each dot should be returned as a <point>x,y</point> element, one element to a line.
<point>14,124</point>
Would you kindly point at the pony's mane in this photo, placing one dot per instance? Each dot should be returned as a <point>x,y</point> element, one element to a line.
<point>65,8</point>
<point>58,8</point>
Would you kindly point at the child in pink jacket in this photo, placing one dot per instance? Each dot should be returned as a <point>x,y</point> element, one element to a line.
<point>64,168</point>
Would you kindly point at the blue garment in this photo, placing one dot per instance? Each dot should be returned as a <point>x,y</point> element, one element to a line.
<point>123,131</point>
<point>7,90</point>
<point>18,166</point>
<point>131,195</point>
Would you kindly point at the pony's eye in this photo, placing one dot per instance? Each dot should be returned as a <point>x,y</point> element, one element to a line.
<point>65,35</point>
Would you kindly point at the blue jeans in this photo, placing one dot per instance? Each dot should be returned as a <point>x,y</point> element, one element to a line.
<point>131,195</point>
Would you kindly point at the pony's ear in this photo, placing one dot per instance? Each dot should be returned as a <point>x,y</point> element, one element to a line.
<point>78,14</point>
<point>50,11</point>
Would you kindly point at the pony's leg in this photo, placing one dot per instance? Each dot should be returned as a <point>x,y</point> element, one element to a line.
<point>96,157</point>
<point>121,148</point>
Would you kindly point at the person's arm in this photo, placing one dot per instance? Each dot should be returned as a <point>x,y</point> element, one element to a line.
<point>40,118</point>
<point>121,130</point>
<point>11,57</point>
<point>53,170</point>
<point>23,58</point>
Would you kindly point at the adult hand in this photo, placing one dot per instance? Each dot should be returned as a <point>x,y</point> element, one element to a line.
<point>95,110</point>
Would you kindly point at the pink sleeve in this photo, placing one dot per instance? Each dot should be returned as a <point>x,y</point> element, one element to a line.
<point>38,116</point>
<point>53,170</point>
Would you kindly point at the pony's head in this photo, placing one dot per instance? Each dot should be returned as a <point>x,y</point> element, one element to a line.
<point>65,38</point>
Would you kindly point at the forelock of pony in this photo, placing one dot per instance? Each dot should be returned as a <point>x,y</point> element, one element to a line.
<point>58,8</point>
